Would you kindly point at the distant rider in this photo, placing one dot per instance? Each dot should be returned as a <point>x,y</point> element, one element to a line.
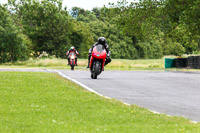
<point>102,41</point>
<point>72,50</point>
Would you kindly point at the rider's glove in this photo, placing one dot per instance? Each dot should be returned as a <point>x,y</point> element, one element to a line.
<point>109,53</point>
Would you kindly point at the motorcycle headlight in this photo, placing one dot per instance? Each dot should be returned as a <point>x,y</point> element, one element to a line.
<point>72,57</point>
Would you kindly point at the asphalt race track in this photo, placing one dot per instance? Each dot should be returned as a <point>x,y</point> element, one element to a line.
<point>171,93</point>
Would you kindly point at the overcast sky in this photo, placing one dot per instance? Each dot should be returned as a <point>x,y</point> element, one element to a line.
<point>85,4</point>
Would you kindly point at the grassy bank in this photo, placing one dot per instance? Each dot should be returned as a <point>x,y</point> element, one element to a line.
<point>116,64</point>
<point>150,64</point>
<point>43,102</point>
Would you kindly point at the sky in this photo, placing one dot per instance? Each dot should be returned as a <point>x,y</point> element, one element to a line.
<point>85,4</point>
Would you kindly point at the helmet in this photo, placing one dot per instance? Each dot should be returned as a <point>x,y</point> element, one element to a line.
<point>102,40</point>
<point>72,48</point>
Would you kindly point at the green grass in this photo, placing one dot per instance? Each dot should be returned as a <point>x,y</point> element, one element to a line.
<point>45,102</point>
<point>47,63</point>
<point>116,64</point>
<point>124,64</point>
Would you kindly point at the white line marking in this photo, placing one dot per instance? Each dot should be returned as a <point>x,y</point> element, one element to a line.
<point>82,85</point>
<point>126,103</point>
<point>155,112</point>
<point>194,121</point>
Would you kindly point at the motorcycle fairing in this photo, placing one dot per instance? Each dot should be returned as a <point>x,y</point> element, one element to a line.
<point>98,53</point>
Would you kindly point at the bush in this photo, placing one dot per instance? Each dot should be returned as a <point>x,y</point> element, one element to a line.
<point>151,50</point>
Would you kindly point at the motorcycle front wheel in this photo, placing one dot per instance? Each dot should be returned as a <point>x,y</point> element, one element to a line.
<point>72,66</point>
<point>93,76</point>
<point>96,70</point>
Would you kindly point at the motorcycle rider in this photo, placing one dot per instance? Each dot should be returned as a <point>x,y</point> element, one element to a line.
<point>101,40</point>
<point>72,50</point>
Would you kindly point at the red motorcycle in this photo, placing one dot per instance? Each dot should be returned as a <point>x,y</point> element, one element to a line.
<point>97,60</point>
<point>72,58</point>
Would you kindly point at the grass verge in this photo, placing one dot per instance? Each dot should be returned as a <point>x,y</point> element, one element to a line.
<point>45,102</point>
<point>116,64</point>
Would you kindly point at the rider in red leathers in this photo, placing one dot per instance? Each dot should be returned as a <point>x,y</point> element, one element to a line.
<point>72,49</point>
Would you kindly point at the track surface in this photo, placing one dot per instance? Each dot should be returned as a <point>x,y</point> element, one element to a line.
<point>172,93</point>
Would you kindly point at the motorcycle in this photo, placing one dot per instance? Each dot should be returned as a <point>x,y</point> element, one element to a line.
<point>72,58</point>
<point>97,60</point>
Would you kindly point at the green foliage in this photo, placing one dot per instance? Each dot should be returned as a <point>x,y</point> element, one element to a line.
<point>119,44</point>
<point>149,50</point>
<point>13,44</point>
<point>177,20</point>
<point>82,15</point>
<point>81,38</point>
<point>46,24</point>
<point>177,49</point>
<point>144,29</point>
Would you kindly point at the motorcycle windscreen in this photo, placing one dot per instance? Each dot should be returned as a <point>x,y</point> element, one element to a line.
<point>99,52</point>
<point>72,54</point>
<point>100,48</point>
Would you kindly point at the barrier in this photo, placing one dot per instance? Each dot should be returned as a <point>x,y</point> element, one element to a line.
<point>192,62</point>
<point>169,62</point>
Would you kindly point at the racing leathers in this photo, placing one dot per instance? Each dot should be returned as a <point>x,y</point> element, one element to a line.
<point>72,51</point>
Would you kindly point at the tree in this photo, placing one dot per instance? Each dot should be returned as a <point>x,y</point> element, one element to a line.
<point>46,24</point>
<point>13,45</point>
<point>81,38</point>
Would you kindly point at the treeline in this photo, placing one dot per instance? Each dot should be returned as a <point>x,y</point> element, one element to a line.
<point>160,26</point>
<point>145,29</point>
